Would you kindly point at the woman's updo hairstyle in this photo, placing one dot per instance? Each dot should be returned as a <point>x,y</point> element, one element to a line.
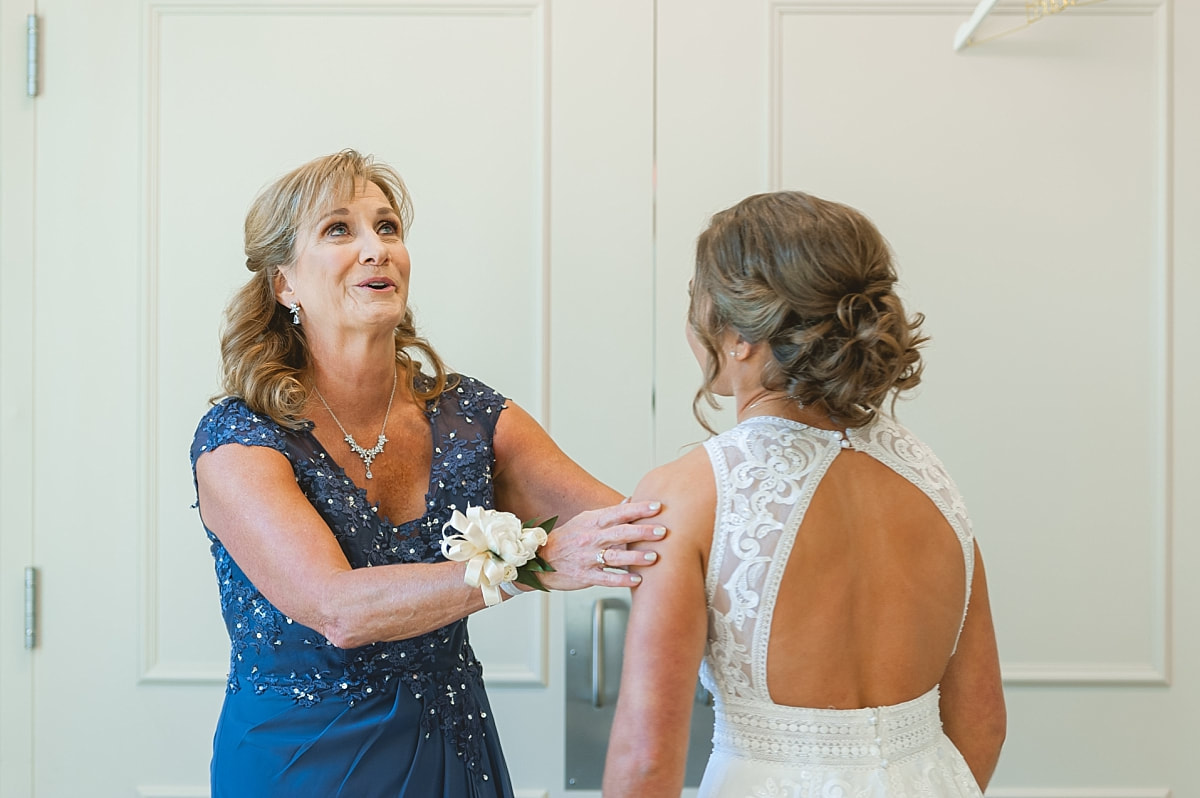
<point>264,356</point>
<point>813,279</point>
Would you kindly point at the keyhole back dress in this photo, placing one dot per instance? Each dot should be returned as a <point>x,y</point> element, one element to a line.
<point>767,470</point>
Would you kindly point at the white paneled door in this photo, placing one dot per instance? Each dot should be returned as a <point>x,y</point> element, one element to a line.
<point>1036,190</point>
<point>1040,191</point>
<point>156,125</point>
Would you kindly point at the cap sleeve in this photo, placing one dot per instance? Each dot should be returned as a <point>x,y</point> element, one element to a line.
<point>231,421</point>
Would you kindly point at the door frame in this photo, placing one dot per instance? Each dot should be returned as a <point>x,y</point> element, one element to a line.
<point>17,128</point>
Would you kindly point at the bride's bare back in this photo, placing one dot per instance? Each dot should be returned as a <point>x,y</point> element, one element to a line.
<point>872,596</point>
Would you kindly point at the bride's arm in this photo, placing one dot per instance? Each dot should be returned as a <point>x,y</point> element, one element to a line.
<point>972,705</point>
<point>665,639</point>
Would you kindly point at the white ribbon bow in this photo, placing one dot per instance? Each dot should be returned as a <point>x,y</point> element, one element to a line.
<point>493,545</point>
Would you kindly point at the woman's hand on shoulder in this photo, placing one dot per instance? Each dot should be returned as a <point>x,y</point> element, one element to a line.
<point>591,548</point>
<point>687,491</point>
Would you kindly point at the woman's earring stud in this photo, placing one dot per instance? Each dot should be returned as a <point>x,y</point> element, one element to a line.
<point>295,309</point>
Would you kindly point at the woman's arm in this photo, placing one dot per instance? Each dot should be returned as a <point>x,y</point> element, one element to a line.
<point>250,500</point>
<point>535,479</point>
<point>665,638</point>
<point>973,712</point>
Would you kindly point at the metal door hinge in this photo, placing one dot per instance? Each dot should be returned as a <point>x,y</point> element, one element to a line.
<point>31,55</point>
<point>30,607</point>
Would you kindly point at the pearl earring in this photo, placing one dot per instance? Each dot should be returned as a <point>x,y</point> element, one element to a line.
<point>295,309</point>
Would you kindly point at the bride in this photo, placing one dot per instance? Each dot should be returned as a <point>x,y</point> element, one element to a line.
<point>821,567</point>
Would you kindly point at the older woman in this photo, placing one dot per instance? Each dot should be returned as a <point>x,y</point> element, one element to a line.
<point>324,480</point>
<point>821,562</point>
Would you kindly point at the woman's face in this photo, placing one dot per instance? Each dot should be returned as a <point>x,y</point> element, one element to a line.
<point>352,269</point>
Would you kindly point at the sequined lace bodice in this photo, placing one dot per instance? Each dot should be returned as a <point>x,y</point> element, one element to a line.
<point>767,470</point>
<point>271,652</point>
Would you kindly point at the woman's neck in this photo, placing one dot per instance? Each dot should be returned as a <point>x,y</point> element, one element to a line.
<point>357,381</point>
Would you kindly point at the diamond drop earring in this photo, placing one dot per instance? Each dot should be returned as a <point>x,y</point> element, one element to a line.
<point>295,309</point>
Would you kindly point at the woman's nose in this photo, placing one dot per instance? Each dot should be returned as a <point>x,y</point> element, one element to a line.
<point>374,250</point>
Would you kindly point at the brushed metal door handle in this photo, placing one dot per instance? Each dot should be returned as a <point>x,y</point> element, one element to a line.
<point>598,680</point>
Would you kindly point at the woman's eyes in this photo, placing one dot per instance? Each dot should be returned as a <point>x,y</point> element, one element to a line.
<point>385,228</point>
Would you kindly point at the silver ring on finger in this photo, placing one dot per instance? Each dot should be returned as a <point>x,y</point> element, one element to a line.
<point>600,555</point>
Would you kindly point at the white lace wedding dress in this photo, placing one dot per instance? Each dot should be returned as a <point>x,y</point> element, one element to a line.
<point>767,470</point>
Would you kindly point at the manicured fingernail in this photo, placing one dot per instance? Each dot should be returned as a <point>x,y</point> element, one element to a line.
<point>651,556</point>
<point>635,579</point>
<point>655,507</point>
<point>659,531</point>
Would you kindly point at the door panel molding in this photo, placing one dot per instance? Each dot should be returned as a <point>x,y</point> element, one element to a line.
<point>1119,638</point>
<point>520,34</point>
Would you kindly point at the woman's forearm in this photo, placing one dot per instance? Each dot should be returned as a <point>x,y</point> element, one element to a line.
<point>393,602</point>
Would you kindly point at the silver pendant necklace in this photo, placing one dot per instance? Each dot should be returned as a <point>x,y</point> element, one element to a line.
<point>366,455</point>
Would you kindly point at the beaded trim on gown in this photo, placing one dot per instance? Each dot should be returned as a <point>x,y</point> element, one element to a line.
<point>767,470</point>
<point>302,717</point>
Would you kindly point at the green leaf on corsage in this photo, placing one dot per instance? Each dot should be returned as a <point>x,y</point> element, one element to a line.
<point>527,574</point>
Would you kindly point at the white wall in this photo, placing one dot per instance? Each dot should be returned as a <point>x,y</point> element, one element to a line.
<point>1040,191</point>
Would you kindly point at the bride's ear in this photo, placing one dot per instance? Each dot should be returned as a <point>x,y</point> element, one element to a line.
<point>735,345</point>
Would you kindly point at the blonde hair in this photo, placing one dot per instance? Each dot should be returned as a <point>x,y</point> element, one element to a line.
<point>813,279</point>
<point>264,357</point>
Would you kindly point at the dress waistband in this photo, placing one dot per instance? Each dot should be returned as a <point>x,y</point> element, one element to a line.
<point>873,737</point>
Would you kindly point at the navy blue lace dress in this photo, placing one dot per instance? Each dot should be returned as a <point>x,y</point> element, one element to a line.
<point>302,717</point>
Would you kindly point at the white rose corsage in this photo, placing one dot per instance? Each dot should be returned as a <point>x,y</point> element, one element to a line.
<point>497,548</point>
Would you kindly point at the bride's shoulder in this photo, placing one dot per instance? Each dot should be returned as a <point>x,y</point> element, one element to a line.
<point>686,488</point>
<point>684,470</point>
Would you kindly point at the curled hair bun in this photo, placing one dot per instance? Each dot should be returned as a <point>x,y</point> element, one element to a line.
<point>865,352</point>
<point>857,315</point>
<point>815,280</point>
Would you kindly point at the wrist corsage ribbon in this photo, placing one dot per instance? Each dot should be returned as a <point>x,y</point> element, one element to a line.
<point>497,548</point>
